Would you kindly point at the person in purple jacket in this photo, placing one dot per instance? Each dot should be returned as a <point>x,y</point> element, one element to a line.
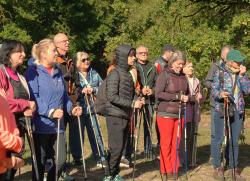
<point>48,90</point>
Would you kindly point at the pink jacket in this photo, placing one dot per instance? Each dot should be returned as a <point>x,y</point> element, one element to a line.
<point>193,109</point>
<point>16,105</point>
<point>9,134</point>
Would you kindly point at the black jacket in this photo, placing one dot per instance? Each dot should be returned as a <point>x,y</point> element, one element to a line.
<point>120,87</point>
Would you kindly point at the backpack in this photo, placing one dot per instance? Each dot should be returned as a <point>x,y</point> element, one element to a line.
<point>101,98</point>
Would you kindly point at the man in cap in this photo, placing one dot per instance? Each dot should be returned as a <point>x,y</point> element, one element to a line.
<point>208,83</point>
<point>228,87</point>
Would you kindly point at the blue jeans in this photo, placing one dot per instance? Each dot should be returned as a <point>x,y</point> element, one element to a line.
<point>236,124</point>
<point>212,130</point>
<point>74,137</point>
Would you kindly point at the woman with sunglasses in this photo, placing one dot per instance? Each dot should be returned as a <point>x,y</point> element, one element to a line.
<point>48,90</point>
<point>14,84</point>
<point>87,83</point>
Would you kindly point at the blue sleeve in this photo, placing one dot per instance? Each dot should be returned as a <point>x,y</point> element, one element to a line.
<point>33,83</point>
<point>216,87</point>
<point>245,84</point>
<point>99,82</point>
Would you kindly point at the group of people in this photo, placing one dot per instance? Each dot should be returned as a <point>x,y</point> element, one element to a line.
<point>57,91</point>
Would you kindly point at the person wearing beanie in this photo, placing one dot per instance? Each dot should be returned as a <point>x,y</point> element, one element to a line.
<point>229,85</point>
<point>119,106</point>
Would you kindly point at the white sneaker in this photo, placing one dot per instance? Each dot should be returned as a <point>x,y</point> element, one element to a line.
<point>99,165</point>
<point>124,163</point>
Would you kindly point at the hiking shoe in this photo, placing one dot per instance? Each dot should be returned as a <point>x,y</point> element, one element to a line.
<point>219,174</point>
<point>65,177</point>
<point>107,178</point>
<point>238,177</point>
<point>100,165</point>
<point>118,178</point>
<point>77,163</point>
<point>125,163</point>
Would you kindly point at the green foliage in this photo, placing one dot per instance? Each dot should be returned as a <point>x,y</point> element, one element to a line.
<point>198,27</point>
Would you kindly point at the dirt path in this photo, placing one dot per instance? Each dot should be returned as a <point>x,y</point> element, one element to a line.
<point>149,170</point>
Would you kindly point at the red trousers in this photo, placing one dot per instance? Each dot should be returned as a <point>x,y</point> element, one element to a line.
<point>168,153</point>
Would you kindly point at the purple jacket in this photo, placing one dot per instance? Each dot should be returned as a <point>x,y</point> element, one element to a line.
<point>168,87</point>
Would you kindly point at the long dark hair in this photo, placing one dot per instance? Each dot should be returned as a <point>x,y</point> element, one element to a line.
<point>8,47</point>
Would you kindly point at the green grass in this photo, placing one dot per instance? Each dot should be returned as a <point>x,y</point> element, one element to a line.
<point>149,170</point>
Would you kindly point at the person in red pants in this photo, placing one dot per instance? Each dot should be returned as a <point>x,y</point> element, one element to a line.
<point>171,90</point>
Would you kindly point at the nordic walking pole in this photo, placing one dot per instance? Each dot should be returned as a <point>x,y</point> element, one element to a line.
<point>81,140</point>
<point>230,136</point>
<point>138,126</point>
<point>194,150</point>
<point>185,135</point>
<point>149,131</point>
<point>92,123</point>
<point>32,146</point>
<point>225,134</point>
<point>57,147</point>
<point>98,122</point>
<point>178,137</point>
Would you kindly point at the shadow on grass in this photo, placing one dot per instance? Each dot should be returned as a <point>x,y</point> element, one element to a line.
<point>203,155</point>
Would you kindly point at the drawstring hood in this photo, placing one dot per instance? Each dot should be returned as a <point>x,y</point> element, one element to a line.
<point>122,53</point>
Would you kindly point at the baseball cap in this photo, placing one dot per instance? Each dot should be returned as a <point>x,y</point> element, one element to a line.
<point>235,56</point>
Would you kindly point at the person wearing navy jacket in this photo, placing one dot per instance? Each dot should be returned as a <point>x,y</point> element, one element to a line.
<point>49,92</point>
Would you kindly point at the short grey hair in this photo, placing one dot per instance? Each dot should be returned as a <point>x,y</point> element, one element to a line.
<point>177,55</point>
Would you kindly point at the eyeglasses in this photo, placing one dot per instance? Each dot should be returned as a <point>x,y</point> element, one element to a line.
<point>63,41</point>
<point>141,53</point>
<point>85,59</point>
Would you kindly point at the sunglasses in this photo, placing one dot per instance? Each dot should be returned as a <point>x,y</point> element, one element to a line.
<point>85,59</point>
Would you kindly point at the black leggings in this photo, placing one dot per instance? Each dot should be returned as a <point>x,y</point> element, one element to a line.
<point>45,146</point>
<point>117,136</point>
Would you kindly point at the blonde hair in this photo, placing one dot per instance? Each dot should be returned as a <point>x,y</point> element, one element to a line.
<point>188,62</point>
<point>40,47</point>
<point>79,58</point>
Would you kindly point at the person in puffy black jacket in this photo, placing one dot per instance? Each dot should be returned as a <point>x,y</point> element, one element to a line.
<point>120,93</point>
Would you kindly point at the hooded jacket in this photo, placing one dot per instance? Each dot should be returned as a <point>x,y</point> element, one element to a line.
<point>120,87</point>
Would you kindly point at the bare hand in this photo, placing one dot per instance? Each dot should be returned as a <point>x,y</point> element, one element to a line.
<point>139,103</point>
<point>184,98</point>
<point>77,111</point>
<point>224,94</point>
<point>17,162</point>
<point>149,92</point>
<point>28,112</point>
<point>58,114</point>
<point>243,70</point>
<point>198,97</point>
<point>144,91</point>
<point>85,90</point>
<point>90,90</point>
<point>32,105</point>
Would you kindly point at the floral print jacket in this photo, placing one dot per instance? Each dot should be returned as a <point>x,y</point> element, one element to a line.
<point>242,88</point>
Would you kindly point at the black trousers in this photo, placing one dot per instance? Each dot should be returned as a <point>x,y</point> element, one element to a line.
<point>2,176</point>
<point>45,146</point>
<point>117,136</point>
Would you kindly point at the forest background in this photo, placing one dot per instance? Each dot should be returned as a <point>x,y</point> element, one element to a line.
<point>198,27</point>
